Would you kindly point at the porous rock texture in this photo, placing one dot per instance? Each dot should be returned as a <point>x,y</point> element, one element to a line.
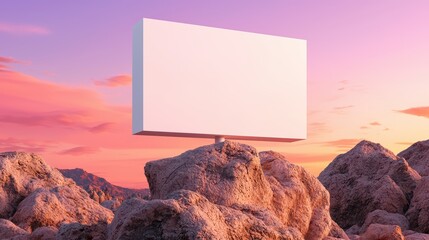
<point>367,178</point>
<point>386,218</point>
<point>33,195</point>
<point>64,204</point>
<point>8,230</point>
<point>227,191</point>
<point>77,231</point>
<point>418,212</point>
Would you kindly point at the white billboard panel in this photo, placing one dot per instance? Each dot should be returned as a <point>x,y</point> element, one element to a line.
<point>197,81</point>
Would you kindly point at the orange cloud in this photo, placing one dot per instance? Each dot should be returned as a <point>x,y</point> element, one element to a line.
<point>116,81</point>
<point>77,151</point>
<point>23,29</point>
<point>417,111</point>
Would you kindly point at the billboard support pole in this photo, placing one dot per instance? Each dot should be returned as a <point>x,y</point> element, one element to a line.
<point>219,139</point>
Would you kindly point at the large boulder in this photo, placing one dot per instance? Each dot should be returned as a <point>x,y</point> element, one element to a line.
<point>254,193</point>
<point>33,195</point>
<point>21,174</point>
<point>8,230</point>
<point>77,231</point>
<point>189,215</point>
<point>385,218</point>
<point>417,156</point>
<point>418,212</point>
<point>64,204</point>
<point>382,232</point>
<point>367,178</point>
<point>226,174</point>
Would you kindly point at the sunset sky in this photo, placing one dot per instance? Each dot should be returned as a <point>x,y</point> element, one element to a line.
<point>65,77</point>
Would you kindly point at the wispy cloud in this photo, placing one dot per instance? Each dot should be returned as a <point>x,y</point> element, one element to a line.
<point>15,144</point>
<point>343,107</point>
<point>342,143</point>
<point>77,151</point>
<point>116,81</point>
<point>23,29</point>
<point>101,127</point>
<point>4,61</point>
<point>417,111</point>
<point>375,123</point>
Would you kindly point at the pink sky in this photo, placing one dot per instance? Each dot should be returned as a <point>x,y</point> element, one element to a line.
<point>65,70</point>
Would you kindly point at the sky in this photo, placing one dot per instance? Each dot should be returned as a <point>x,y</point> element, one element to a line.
<point>65,77</point>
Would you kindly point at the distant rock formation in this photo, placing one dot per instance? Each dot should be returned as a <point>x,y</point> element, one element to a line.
<point>100,189</point>
<point>34,195</point>
<point>367,178</point>
<point>227,191</point>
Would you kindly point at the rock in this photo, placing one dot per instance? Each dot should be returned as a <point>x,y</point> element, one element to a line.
<point>189,215</point>
<point>77,231</point>
<point>64,204</point>
<point>418,212</point>
<point>299,199</point>
<point>353,230</point>
<point>237,184</point>
<point>20,175</point>
<point>111,204</point>
<point>417,156</point>
<point>380,232</point>
<point>386,218</point>
<point>417,236</point>
<point>367,178</point>
<point>8,230</point>
<point>44,233</point>
<point>213,171</point>
<point>123,217</point>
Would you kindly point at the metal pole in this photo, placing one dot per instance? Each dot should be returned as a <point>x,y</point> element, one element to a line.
<point>219,139</point>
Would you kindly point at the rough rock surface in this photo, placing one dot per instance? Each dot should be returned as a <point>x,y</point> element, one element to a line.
<point>233,192</point>
<point>20,175</point>
<point>380,232</point>
<point>386,218</point>
<point>367,178</point>
<point>189,215</point>
<point>44,233</point>
<point>418,213</point>
<point>417,156</point>
<point>111,204</point>
<point>33,195</point>
<point>65,204</point>
<point>77,231</point>
<point>8,230</point>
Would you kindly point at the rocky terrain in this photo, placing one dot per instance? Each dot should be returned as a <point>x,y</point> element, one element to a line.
<point>101,190</point>
<point>225,191</point>
<point>377,195</point>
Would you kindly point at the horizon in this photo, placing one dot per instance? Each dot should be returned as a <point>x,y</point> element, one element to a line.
<point>66,80</point>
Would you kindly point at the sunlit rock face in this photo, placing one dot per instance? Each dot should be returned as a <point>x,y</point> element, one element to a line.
<point>367,178</point>
<point>33,195</point>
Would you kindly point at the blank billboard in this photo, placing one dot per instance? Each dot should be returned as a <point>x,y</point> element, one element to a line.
<point>197,81</point>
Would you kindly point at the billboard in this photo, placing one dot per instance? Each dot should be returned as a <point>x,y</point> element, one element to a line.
<point>198,81</point>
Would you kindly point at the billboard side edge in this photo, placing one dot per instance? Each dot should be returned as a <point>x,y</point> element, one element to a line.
<point>137,72</point>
